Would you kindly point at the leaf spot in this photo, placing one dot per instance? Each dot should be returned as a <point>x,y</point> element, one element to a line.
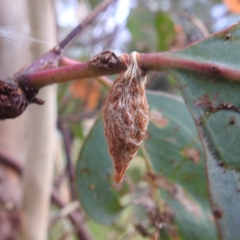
<point>217,213</point>
<point>214,69</point>
<point>192,153</point>
<point>232,121</point>
<point>157,118</point>
<point>228,36</point>
<point>220,163</point>
<point>187,202</point>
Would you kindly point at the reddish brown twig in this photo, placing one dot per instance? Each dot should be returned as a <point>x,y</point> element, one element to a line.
<point>77,117</point>
<point>15,94</point>
<point>106,63</point>
<point>74,33</point>
<point>148,61</point>
<point>65,61</point>
<point>164,61</point>
<point>75,217</point>
<point>69,167</point>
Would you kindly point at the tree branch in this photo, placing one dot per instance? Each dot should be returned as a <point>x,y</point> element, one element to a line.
<point>67,145</point>
<point>106,63</point>
<point>148,61</point>
<point>15,95</point>
<point>75,217</point>
<point>165,61</point>
<point>74,33</point>
<point>52,57</point>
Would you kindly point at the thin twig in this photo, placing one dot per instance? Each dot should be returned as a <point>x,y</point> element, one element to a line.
<point>101,79</point>
<point>10,161</point>
<point>51,59</point>
<point>59,179</point>
<point>67,145</point>
<point>106,63</point>
<point>77,117</point>
<point>150,169</point>
<point>107,82</point>
<point>75,217</point>
<point>64,212</point>
<point>73,34</point>
<point>148,61</point>
<point>65,61</point>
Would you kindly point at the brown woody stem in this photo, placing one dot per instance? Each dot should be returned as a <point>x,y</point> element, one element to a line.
<point>64,61</point>
<point>164,61</point>
<point>107,63</point>
<point>74,33</point>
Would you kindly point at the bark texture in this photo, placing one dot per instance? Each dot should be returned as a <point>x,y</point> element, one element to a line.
<point>12,132</point>
<point>38,173</point>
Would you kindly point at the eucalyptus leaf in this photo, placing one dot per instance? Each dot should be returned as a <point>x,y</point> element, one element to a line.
<point>214,104</point>
<point>94,171</point>
<point>175,152</point>
<point>171,134</point>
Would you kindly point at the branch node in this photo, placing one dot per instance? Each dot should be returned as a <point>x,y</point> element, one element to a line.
<point>106,59</point>
<point>38,101</point>
<point>57,49</point>
<point>12,100</point>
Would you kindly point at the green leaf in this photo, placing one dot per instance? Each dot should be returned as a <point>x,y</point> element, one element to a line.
<point>155,33</point>
<point>214,104</point>
<point>175,152</point>
<point>94,3</point>
<point>94,170</point>
<point>165,31</point>
<point>143,32</point>
<point>170,134</point>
